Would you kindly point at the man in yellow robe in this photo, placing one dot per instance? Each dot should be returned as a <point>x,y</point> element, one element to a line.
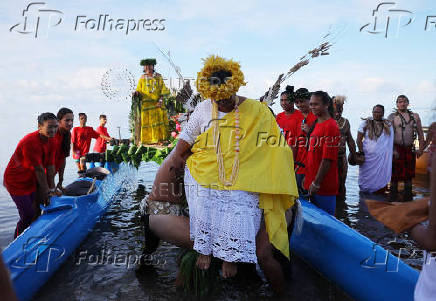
<point>257,160</point>
<point>154,120</point>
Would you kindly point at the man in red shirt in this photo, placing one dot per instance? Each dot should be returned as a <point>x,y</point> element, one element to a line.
<point>63,142</point>
<point>31,169</point>
<point>81,140</point>
<point>322,158</point>
<point>100,144</point>
<point>302,98</point>
<point>289,120</point>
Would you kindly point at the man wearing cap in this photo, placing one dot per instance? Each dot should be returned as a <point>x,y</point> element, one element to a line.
<point>154,121</point>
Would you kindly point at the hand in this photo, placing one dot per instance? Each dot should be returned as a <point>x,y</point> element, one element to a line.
<point>419,153</point>
<point>305,128</point>
<point>45,200</point>
<point>135,93</point>
<point>395,155</point>
<point>313,188</point>
<point>60,187</point>
<point>159,103</point>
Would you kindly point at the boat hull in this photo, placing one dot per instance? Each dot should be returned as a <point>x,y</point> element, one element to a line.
<point>35,255</point>
<point>359,266</point>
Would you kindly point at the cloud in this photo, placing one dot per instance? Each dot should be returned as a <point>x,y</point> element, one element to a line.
<point>427,86</point>
<point>372,84</point>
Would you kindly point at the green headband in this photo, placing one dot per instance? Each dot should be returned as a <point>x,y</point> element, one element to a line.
<point>146,62</point>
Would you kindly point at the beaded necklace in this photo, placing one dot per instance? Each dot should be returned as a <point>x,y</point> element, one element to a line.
<point>216,141</point>
<point>404,123</point>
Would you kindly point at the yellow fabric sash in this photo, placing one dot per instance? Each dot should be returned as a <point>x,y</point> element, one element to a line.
<point>265,165</point>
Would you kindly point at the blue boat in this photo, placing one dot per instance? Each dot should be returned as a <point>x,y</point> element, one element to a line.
<point>359,266</point>
<point>35,255</point>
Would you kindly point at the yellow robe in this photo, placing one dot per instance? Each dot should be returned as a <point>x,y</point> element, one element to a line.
<point>154,120</point>
<point>265,165</point>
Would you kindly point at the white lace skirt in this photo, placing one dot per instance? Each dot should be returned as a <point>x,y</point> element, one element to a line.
<point>223,223</point>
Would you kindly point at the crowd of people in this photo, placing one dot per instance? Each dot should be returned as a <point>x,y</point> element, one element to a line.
<point>241,191</point>
<point>226,166</point>
<point>318,135</point>
<point>41,155</point>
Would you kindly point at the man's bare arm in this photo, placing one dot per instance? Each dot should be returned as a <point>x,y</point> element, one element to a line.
<point>51,172</point>
<point>61,176</point>
<point>41,179</point>
<point>351,143</point>
<point>106,137</point>
<point>322,171</point>
<point>181,154</point>
<point>6,288</point>
<point>421,138</point>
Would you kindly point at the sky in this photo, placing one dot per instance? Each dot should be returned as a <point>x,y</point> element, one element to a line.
<point>63,67</point>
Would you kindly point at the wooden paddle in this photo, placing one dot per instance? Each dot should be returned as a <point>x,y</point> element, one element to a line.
<point>92,186</point>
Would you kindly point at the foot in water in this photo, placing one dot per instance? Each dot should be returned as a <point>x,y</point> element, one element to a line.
<point>229,269</point>
<point>203,261</point>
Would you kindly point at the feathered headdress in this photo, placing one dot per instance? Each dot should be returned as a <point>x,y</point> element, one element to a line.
<point>224,90</point>
<point>339,100</point>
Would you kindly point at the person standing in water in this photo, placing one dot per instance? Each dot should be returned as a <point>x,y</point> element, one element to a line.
<point>346,139</point>
<point>81,140</point>
<point>101,143</point>
<point>302,98</point>
<point>62,141</point>
<point>375,140</point>
<point>321,179</point>
<point>290,119</point>
<point>29,176</point>
<point>407,125</point>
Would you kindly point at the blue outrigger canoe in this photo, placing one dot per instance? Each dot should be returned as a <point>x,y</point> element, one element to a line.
<point>360,267</point>
<point>35,255</point>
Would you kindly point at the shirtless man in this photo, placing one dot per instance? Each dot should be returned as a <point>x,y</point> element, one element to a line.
<point>406,126</point>
<point>346,139</point>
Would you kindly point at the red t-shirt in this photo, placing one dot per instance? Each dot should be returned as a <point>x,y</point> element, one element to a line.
<point>81,139</point>
<point>100,144</point>
<point>290,124</point>
<point>32,150</point>
<point>60,155</point>
<point>301,143</point>
<point>323,144</point>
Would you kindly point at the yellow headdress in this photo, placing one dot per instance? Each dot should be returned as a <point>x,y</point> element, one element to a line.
<point>224,90</point>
